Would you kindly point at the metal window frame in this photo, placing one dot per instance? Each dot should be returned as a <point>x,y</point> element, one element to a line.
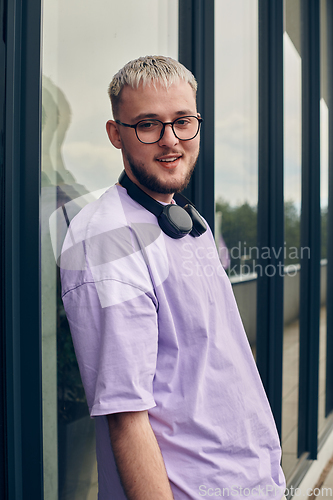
<point>3,485</point>
<point>270,202</point>
<point>310,232</point>
<point>329,299</point>
<point>196,52</point>
<point>21,256</point>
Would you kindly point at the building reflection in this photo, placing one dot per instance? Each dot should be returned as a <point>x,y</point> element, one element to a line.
<point>69,448</point>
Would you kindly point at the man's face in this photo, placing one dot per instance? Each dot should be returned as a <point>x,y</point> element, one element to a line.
<point>165,167</point>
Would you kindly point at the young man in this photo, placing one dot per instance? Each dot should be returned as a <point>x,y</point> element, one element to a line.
<point>165,362</point>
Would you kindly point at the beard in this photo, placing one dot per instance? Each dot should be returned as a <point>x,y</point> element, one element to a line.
<point>153,183</point>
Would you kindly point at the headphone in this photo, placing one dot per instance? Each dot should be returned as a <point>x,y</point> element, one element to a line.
<point>175,220</point>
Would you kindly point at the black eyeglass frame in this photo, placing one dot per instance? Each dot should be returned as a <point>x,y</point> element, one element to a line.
<point>200,120</point>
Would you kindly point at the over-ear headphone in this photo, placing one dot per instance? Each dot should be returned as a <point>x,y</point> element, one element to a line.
<point>175,220</point>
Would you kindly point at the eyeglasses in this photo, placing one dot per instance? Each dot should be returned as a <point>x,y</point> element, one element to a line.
<point>148,131</point>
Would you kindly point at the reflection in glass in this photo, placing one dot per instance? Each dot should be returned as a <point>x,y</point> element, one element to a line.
<point>236,149</point>
<point>69,436</point>
<point>292,196</point>
<point>324,144</point>
<point>84,45</point>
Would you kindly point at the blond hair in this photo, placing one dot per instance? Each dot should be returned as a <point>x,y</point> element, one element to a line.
<point>148,70</point>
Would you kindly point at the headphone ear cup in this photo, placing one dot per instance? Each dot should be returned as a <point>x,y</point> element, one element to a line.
<point>199,225</point>
<point>175,221</point>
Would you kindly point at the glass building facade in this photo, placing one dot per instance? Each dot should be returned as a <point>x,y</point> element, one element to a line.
<point>263,182</point>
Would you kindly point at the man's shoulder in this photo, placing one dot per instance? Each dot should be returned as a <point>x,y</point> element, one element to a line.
<point>90,232</point>
<point>103,214</point>
<point>108,240</point>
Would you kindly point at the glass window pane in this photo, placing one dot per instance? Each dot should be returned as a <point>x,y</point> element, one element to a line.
<point>292,206</point>
<point>84,45</point>
<point>236,149</point>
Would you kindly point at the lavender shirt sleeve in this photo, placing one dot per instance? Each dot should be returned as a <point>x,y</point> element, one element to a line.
<point>116,349</point>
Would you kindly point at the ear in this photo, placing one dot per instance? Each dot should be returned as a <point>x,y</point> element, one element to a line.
<point>113,133</point>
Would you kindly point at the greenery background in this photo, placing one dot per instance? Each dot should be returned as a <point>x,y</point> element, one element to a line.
<point>239,230</point>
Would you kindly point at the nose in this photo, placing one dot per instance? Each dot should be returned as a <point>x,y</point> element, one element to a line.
<point>168,138</point>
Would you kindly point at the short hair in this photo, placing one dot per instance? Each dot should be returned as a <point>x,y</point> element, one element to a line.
<point>148,70</point>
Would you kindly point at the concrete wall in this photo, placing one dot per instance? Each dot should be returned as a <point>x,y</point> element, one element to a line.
<point>245,290</point>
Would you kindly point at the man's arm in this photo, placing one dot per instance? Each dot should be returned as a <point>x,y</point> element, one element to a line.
<point>138,457</point>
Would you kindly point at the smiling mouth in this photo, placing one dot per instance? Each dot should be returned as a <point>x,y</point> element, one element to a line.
<point>169,159</point>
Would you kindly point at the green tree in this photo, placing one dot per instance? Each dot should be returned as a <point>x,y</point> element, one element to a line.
<point>239,231</point>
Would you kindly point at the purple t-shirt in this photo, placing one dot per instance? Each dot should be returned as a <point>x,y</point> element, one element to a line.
<point>155,327</point>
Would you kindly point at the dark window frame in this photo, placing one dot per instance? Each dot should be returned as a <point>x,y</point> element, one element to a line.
<point>3,432</point>
<point>21,255</point>
<point>196,52</point>
<point>310,232</point>
<point>270,202</point>
<point>329,298</point>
